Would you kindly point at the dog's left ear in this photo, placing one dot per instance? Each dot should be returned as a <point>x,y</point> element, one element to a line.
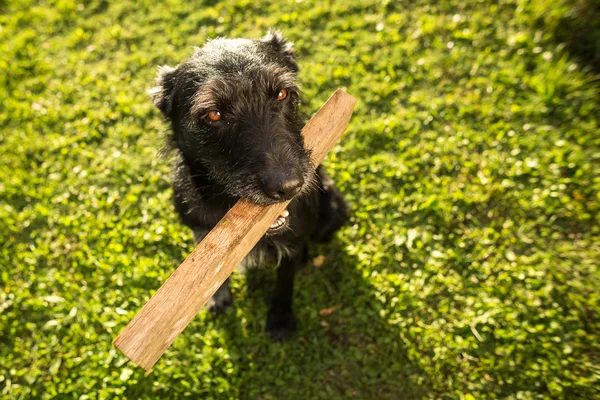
<point>162,93</point>
<point>285,49</point>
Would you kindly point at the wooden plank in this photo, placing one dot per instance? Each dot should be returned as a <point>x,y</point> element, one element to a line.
<point>193,283</point>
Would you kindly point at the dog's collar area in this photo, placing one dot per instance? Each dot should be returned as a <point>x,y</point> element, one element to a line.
<point>280,222</point>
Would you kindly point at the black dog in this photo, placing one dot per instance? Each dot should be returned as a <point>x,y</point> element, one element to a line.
<point>233,109</point>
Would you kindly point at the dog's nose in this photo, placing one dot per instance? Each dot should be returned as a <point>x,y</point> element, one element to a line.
<point>281,185</point>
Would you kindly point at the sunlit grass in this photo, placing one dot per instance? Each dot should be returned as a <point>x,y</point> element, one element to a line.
<point>470,266</point>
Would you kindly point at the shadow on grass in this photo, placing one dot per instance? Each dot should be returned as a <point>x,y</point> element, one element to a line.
<point>348,351</point>
<point>579,30</point>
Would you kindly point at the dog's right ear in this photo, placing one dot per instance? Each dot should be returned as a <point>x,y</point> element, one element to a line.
<point>162,93</point>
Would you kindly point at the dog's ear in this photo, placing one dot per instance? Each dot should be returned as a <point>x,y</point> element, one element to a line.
<point>285,49</point>
<point>162,93</point>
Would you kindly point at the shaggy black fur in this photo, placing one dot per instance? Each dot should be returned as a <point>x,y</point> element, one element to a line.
<point>254,151</point>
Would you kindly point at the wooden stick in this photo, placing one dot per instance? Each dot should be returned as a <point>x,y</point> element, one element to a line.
<point>187,290</point>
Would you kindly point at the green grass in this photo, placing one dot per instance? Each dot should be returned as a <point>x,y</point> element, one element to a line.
<point>470,267</point>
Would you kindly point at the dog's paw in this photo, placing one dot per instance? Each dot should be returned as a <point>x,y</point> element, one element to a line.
<point>280,325</point>
<point>220,300</point>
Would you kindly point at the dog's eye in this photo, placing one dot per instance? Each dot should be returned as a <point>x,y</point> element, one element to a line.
<point>214,115</point>
<point>282,94</point>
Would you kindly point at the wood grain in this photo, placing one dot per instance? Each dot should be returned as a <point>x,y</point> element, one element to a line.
<point>193,283</point>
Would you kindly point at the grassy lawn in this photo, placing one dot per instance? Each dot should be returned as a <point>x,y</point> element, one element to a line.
<point>470,268</point>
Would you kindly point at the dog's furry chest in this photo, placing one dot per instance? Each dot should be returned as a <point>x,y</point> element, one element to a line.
<point>266,252</point>
<point>270,249</point>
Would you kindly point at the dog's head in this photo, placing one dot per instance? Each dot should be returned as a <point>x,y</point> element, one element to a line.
<point>233,108</point>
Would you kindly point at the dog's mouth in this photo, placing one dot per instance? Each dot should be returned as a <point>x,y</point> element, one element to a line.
<point>281,222</point>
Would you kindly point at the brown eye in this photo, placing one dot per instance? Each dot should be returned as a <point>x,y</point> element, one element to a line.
<point>282,94</point>
<point>214,115</point>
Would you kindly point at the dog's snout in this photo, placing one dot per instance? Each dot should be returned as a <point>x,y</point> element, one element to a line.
<point>281,184</point>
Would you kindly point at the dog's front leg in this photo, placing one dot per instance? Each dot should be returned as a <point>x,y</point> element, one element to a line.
<point>221,299</point>
<point>281,322</point>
